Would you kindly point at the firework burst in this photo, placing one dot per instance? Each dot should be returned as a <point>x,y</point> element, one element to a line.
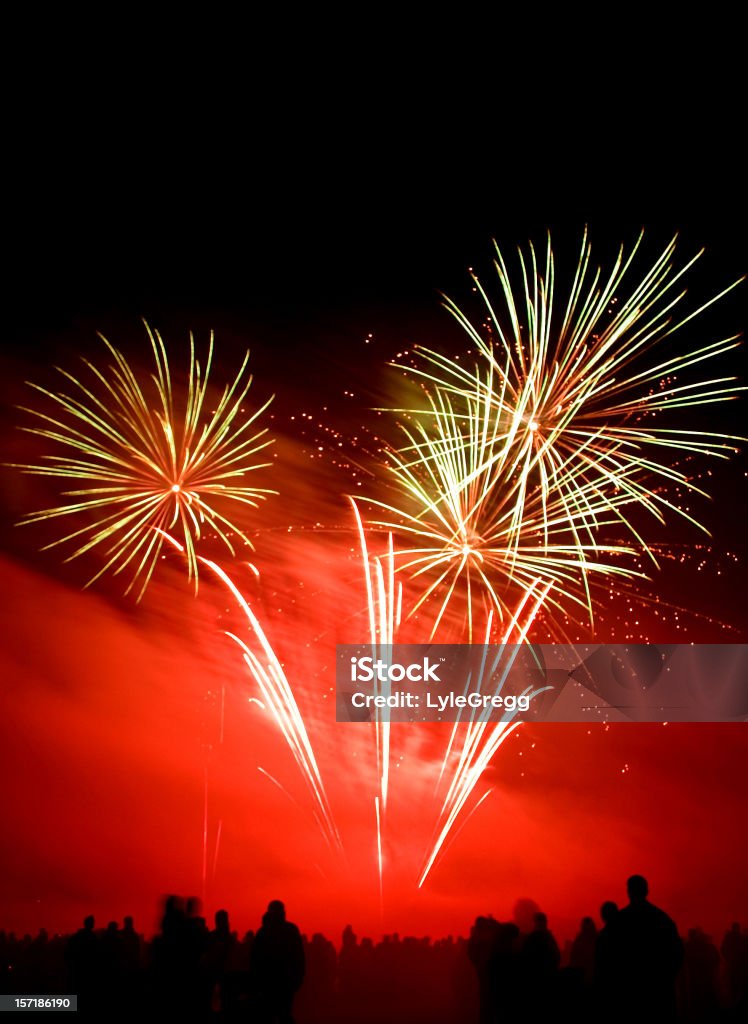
<point>515,466</point>
<point>148,459</point>
<point>463,530</point>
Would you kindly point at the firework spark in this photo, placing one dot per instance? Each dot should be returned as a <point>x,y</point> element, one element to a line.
<point>278,697</point>
<point>473,740</point>
<point>384,605</point>
<point>477,749</point>
<point>516,465</point>
<point>148,460</point>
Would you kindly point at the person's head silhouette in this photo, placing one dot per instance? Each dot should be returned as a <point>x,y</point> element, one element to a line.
<point>193,907</point>
<point>637,889</point>
<point>276,910</point>
<point>608,911</point>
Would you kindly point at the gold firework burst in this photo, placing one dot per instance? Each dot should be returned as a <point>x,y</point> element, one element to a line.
<point>149,458</point>
<point>515,464</point>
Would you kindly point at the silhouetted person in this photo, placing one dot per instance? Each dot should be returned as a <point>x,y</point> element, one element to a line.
<point>111,958</point>
<point>507,996</point>
<point>540,961</point>
<point>221,963</point>
<point>83,963</point>
<point>132,958</point>
<point>277,965</point>
<point>523,914</point>
<point>195,944</point>
<point>246,952</point>
<point>348,962</point>
<point>607,965</point>
<point>169,961</point>
<point>734,949</point>
<point>582,957</point>
<point>481,947</point>
<point>701,976</point>
<point>366,972</point>
<point>322,965</point>
<point>130,947</point>
<point>651,953</point>
<point>575,980</point>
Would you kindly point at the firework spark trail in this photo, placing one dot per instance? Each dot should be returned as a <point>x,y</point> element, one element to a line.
<point>509,633</point>
<point>380,859</point>
<point>206,767</point>
<point>279,698</point>
<point>205,829</point>
<point>452,837</point>
<point>217,847</point>
<point>282,788</point>
<point>384,606</point>
<point>477,752</point>
<point>514,467</point>
<point>144,465</point>
<point>475,755</point>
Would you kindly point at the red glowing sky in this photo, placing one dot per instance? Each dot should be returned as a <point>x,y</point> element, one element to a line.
<point>111,719</point>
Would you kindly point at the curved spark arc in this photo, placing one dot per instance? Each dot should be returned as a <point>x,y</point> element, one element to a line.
<point>476,753</point>
<point>279,698</point>
<point>145,468</point>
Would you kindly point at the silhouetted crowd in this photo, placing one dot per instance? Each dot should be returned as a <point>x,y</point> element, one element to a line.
<point>633,967</point>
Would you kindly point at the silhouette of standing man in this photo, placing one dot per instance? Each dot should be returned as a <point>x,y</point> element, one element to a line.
<point>83,956</point>
<point>651,954</point>
<point>277,965</point>
<point>540,958</point>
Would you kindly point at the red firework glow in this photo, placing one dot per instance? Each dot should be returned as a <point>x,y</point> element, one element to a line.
<point>115,724</point>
